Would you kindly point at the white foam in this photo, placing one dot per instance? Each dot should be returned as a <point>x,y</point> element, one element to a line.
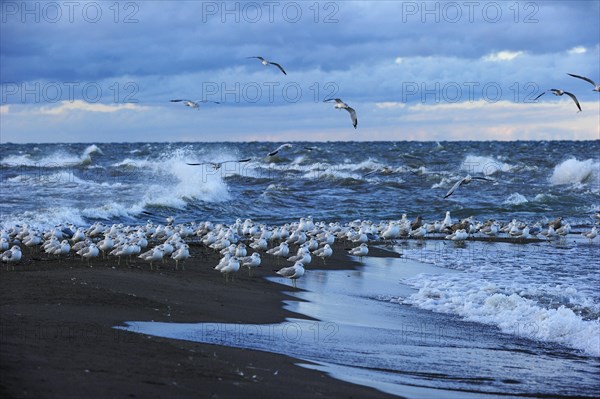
<point>575,172</point>
<point>480,300</point>
<point>515,199</point>
<point>474,164</point>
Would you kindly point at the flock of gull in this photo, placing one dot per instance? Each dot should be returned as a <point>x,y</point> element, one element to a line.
<point>244,243</point>
<point>339,104</point>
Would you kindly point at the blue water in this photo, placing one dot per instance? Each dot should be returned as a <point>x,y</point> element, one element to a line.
<point>501,318</point>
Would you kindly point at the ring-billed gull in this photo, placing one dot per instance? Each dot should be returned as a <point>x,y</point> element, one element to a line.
<point>293,272</point>
<point>265,62</point>
<point>281,147</point>
<point>464,181</point>
<point>360,251</point>
<point>559,92</point>
<point>339,104</point>
<point>12,256</point>
<point>590,235</point>
<point>193,104</point>
<point>217,165</point>
<point>251,262</point>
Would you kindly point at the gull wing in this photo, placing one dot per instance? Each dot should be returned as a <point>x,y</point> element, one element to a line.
<point>574,99</point>
<point>454,188</point>
<point>353,116</point>
<point>278,66</point>
<point>584,78</point>
<point>539,95</point>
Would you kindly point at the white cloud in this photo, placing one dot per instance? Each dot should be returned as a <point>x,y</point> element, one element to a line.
<point>503,56</point>
<point>79,105</point>
<point>398,60</point>
<point>577,50</point>
<point>389,105</point>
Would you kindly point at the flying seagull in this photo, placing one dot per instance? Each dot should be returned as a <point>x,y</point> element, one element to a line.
<point>281,147</point>
<point>596,85</point>
<point>465,180</point>
<point>193,104</point>
<point>339,104</point>
<point>558,92</point>
<point>217,165</point>
<point>265,62</point>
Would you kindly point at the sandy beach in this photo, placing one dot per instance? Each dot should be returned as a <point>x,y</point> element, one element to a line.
<point>57,336</point>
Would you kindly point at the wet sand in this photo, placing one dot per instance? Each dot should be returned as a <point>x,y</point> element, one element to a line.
<point>57,337</point>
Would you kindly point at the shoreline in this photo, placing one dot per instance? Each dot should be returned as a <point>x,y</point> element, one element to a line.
<point>58,338</point>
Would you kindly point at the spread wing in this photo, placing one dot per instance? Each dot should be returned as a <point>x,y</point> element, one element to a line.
<point>574,99</point>
<point>584,78</point>
<point>454,188</point>
<point>539,95</point>
<point>278,66</point>
<point>353,116</point>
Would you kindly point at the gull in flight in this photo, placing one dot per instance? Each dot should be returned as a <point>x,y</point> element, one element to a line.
<point>596,85</point>
<point>217,165</point>
<point>193,104</point>
<point>265,62</point>
<point>339,104</point>
<point>281,147</point>
<point>465,180</point>
<point>558,92</point>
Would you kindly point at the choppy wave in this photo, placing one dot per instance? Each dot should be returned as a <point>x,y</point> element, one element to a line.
<point>487,166</point>
<point>573,171</point>
<point>484,302</point>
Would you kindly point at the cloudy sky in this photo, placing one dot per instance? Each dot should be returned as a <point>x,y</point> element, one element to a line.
<point>102,71</point>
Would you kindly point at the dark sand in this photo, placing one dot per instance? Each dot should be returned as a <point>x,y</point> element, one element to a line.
<point>57,338</point>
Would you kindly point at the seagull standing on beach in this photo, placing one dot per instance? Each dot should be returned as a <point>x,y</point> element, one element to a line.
<point>590,235</point>
<point>193,104</point>
<point>265,63</point>
<point>465,180</point>
<point>339,104</point>
<point>293,272</point>
<point>360,251</point>
<point>12,256</point>
<point>559,92</point>
<point>596,85</point>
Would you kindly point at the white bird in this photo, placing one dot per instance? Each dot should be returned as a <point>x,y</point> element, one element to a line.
<point>193,104</point>
<point>293,272</point>
<point>596,85</point>
<point>280,251</point>
<point>324,252</point>
<point>251,262</point>
<point>550,233</point>
<point>11,256</point>
<point>89,252</point>
<point>339,104</point>
<point>232,266</point>
<point>559,92</point>
<point>154,255</point>
<point>217,165</point>
<point>265,62</point>
<point>458,236</point>
<point>360,251</point>
<point>280,148</point>
<point>590,235</point>
<point>181,255</point>
<point>465,180</point>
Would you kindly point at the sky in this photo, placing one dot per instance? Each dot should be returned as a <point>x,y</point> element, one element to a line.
<point>105,71</point>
